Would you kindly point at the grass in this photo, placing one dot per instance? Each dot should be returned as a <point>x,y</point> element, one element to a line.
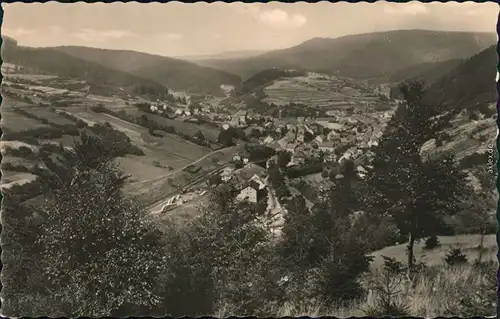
<point>10,178</point>
<point>49,115</point>
<point>210,133</point>
<point>18,123</point>
<point>169,147</point>
<point>435,293</point>
<point>468,244</point>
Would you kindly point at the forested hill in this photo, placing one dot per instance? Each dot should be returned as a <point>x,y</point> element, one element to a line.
<point>470,84</point>
<point>376,56</point>
<point>173,73</point>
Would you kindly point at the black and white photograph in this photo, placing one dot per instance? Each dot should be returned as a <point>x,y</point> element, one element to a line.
<point>249,159</point>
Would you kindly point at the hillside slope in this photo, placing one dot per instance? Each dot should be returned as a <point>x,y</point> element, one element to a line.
<point>470,85</point>
<point>49,61</point>
<point>173,73</point>
<point>374,56</point>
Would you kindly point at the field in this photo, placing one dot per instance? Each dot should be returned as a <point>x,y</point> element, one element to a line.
<point>18,123</point>
<point>466,137</point>
<point>210,133</point>
<point>158,190</point>
<point>49,115</point>
<point>467,243</point>
<point>318,91</point>
<point>12,178</point>
<point>16,145</point>
<point>162,154</point>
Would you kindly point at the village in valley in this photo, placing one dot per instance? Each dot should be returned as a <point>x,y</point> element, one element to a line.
<point>322,174</point>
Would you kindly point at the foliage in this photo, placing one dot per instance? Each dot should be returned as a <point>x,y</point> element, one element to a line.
<point>284,158</point>
<point>228,137</point>
<point>455,256</point>
<point>388,287</point>
<point>432,242</point>
<point>416,194</point>
<point>228,253</point>
<point>258,152</point>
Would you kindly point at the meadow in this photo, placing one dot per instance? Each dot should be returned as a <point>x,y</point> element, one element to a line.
<point>14,122</point>
<point>210,133</point>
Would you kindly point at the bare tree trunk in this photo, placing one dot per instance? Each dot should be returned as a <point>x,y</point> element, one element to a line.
<point>411,243</point>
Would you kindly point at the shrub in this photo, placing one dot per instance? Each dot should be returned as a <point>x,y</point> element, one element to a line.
<point>431,242</point>
<point>455,256</point>
<point>387,289</point>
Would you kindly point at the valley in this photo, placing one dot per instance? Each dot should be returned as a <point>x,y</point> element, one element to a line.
<point>331,165</point>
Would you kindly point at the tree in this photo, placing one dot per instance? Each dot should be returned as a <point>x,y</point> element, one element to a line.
<point>278,181</point>
<point>199,136</point>
<point>296,236</point>
<point>338,250</point>
<point>284,158</point>
<point>415,193</point>
<point>99,251</point>
<point>230,243</point>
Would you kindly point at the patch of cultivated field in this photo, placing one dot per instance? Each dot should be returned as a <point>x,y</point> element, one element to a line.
<point>466,137</point>
<point>162,154</point>
<point>319,91</point>
<point>30,77</point>
<point>468,244</point>
<point>16,145</point>
<point>10,178</point>
<point>28,163</point>
<point>45,113</point>
<point>173,181</point>
<point>210,133</point>
<point>17,123</point>
<point>143,168</point>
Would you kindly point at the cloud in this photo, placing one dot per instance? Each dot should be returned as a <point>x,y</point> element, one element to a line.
<point>169,36</point>
<point>411,8</point>
<point>281,19</point>
<point>275,18</point>
<point>19,32</point>
<point>91,35</point>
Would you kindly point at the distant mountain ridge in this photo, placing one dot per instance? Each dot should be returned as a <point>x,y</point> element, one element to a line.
<point>374,56</point>
<point>173,73</point>
<point>240,54</point>
<point>50,61</point>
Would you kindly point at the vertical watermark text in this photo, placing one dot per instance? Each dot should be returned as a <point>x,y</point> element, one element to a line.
<point>491,162</point>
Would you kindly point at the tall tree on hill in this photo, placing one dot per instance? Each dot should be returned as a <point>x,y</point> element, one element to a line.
<point>414,192</point>
<point>99,250</point>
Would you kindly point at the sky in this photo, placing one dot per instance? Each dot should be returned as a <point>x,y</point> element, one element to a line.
<point>180,29</point>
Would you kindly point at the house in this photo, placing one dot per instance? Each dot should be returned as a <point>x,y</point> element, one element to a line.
<point>255,190</point>
<point>236,158</point>
<point>361,169</point>
<point>327,147</point>
<point>372,143</point>
<point>225,127</point>
<point>242,119</point>
<point>268,140</point>
<point>318,139</point>
<point>227,174</point>
<point>179,112</point>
